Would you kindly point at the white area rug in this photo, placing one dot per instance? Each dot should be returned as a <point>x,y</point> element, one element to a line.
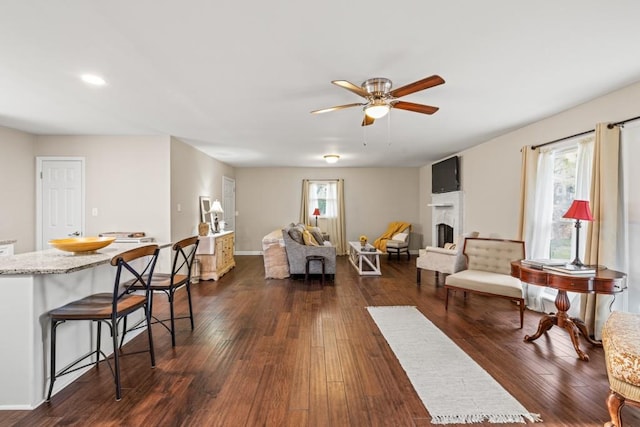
<point>453,388</point>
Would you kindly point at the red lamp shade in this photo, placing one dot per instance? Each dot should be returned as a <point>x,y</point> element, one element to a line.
<point>317,212</point>
<point>579,209</point>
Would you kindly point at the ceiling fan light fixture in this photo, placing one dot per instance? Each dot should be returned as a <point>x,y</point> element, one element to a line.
<point>377,109</point>
<point>331,158</point>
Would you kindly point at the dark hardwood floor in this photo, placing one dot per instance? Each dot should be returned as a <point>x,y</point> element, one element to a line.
<point>286,353</point>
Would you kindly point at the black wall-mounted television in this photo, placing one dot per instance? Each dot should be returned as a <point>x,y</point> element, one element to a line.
<point>445,176</point>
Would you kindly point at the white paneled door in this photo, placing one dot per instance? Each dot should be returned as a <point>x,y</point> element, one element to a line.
<point>61,199</point>
<point>229,202</point>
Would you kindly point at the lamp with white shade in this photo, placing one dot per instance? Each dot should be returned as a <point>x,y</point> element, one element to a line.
<point>216,208</point>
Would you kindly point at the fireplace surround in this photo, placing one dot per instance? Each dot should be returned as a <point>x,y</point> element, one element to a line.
<point>446,209</point>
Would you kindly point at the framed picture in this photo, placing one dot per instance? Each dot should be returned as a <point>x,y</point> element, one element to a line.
<point>205,207</point>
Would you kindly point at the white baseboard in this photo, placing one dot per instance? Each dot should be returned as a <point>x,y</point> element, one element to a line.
<point>248,253</point>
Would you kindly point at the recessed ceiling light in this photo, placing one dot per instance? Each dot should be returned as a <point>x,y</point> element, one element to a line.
<point>92,79</point>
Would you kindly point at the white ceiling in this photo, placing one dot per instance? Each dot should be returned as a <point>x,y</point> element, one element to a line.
<point>238,79</point>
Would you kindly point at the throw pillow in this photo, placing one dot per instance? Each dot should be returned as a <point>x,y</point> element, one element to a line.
<point>308,238</point>
<point>399,236</point>
<point>317,234</point>
<point>296,235</point>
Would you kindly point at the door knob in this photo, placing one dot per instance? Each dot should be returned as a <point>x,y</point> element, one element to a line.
<point>75,234</point>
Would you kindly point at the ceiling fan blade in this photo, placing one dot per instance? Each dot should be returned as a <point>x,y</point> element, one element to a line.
<point>353,88</point>
<point>423,84</point>
<point>417,108</point>
<point>367,120</point>
<point>337,107</point>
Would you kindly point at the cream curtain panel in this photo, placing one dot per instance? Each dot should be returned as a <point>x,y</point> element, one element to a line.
<point>602,247</point>
<point>333,220</point>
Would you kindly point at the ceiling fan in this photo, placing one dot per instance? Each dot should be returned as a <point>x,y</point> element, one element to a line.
<point>380,98</point>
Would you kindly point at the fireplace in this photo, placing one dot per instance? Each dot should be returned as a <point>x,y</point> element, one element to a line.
<point>446,217</point>
<point>445,234</point>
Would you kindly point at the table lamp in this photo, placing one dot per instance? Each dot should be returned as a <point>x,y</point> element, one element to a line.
<point>216,208</point>
<point>316,213</point>
<point>579,210</point>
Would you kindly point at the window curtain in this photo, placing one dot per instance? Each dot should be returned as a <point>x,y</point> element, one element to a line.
<point>539,224</point>
<point>333,219</point>
<point>602,237</point>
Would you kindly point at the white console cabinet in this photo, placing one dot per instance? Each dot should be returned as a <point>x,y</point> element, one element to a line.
<point>215,253</point>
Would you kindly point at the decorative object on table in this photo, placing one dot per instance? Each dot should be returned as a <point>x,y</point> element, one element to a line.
<point>222,224</point>
<point>316,213</point>
<point>205,211</point>
<point>437,367</point>
<point>363,240</point>
<point>81,245</point>
<point>203,229</point>
<point>216,208</point>
<point>579,210</point>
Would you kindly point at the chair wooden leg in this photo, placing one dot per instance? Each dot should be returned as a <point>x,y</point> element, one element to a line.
<point>446,301</point>
<point>615,402</point>
<point>418,275</point>
<point>521,303</point>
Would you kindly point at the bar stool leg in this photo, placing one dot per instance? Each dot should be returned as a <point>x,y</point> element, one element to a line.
<point>52,356</point>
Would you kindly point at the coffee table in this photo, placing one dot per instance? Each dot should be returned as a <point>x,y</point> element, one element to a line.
<point>366,260</point>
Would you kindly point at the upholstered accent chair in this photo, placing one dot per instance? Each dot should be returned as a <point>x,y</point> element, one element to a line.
<point>488,271</point>
<point>621,342</point>
<point>447,260</point>
<point>399,243</point>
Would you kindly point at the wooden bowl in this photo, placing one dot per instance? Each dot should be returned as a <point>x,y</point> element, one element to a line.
<point>81,244</point>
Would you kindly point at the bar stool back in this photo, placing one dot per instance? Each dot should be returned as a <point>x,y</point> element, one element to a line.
<point>185,252</point>
<point>109,308</point>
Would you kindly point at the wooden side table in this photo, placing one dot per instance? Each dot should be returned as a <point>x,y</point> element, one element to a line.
<point>604,281</point>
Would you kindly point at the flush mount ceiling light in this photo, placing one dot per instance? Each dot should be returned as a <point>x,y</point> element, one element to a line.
<point>331,158</point>
<point>377,109</point>
<point>92,79</point>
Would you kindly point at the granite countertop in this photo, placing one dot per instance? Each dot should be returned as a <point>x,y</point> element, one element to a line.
<point>54,261</point>
<point>7,242</point>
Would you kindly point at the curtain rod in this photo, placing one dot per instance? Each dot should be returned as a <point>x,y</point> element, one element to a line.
<point>610,126</point>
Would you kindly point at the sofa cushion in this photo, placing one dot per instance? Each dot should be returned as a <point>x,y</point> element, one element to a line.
<point>396,244</point>
<point>317,234</point>
<point>296,234</point>
<point>308,239</point>
<point>486,281</point>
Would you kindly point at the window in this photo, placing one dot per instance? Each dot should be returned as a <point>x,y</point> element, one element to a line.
<point>323,195</point>
<point>564,192</point>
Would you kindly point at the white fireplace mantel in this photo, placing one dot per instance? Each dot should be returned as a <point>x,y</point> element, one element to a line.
<point>446,208</point>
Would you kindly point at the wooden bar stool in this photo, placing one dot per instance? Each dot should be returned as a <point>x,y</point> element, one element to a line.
<point>109,308</point>
<point>310,259</point>
<point>180,276</point>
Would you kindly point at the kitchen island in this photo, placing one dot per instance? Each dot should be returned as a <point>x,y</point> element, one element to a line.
<point>31,284</point>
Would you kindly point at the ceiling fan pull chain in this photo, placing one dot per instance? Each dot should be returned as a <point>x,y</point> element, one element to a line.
<point>364,136</point>
<point>389,129</point>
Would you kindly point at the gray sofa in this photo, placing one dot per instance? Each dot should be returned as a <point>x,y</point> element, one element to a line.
<point>297,256</point>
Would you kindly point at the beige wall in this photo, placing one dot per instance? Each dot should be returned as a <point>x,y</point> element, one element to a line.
<point>17,175</point>
<point>269,198</point>
<point>126,179</point>
<point>491,171</point>
<point>193,174</point>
